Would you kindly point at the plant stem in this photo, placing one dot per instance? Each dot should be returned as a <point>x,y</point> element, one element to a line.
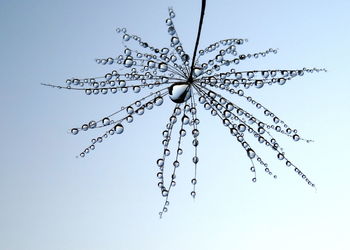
<point>197,41</point>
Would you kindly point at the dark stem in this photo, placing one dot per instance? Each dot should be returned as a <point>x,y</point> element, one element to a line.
<point>197,41</point>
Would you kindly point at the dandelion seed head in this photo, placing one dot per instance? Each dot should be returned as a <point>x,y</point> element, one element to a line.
<point>202,80</point>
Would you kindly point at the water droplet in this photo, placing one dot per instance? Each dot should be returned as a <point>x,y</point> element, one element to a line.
<point>176,164</point>
<point>128,62</point>
<point>126,37</point>
<point>92,124</point>
<point>195,133</point>
<point>129,119</point>
<point>250,74</point>
<point>250,152</point>
<point>185,120</point>
<point>108,76</point>
<point>74,131</point>
<point>172,119</point>
<point>197,72</point>
<point>179,92</point>
<point>261,130</point>
<point>281,81</point>
<point>194,181</point>
<point>106,121</point>
<point>88,91</point>
<point>241,127</point>
<point>259,84</point>
<point>240,92</point>
<point>119,128</point>
<point>84,127</point>
<point>280,156</point>
<point>151,64</point>
<point>164,51</point>
<point>296,137</point>
<point>175,40</point>
<point>127,52</point>
<point>136,89</point>
<point>165,193</point>
<point>162,67</point>
<point>160,162</point>
<point>158,101</point>
<point>171,30</point>
<point>182,132</point>
<point>140,111</point>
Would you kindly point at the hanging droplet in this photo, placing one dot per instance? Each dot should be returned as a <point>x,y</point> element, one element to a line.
<point>259,84</point>
<point>106,121</point>
<point>84,127</point>
<point>175,40</point>
<point>74,131</point>
<point>128,62</point>
<point>185,120</point>
<point>126,37</point>
<point>136,89</point>
<point>197,72</point>
<point>281,81</point>
<point>176,164</point>
<point>129,119</point>
<point>179,92</point>
<point>92,124</point>
<point>251,154</point>
<point>162,67</point>
<point>182,132</point>
<point>241,127</point>
<point>160,162</point>
<point>165,193</point>
<point>195,133</point>
<point>119,128</point>
<point>158,101</point>
<point>296,137</point>
<point>88,91</point>
<point>280,156</point>
<point>171,30</point>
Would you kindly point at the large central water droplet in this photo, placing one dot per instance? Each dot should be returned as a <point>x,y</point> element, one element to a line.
<point>180,92</point>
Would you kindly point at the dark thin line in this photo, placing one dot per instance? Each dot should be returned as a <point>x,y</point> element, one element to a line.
<point>197,41</point>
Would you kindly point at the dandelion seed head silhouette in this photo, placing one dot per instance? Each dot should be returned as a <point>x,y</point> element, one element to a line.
<point>206,79</point>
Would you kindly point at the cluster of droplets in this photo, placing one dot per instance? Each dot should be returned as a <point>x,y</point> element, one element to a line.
<point>187,114</point>
<point>240,121</point>
<point>136,108</point>
<point>168,70</point>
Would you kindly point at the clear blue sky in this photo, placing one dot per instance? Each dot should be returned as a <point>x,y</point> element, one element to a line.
<point>110,200</point>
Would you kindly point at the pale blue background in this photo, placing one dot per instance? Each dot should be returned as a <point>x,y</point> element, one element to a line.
<point>51,200</point>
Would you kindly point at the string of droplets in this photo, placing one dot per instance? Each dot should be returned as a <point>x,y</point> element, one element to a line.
<point>238,126</point>
<point>169,68</point>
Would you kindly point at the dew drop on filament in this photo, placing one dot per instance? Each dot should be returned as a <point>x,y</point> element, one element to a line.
<point>180,92</point>
<point>119,128</point>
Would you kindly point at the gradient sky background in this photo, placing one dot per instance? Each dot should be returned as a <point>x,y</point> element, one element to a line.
<point>110,200</point>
